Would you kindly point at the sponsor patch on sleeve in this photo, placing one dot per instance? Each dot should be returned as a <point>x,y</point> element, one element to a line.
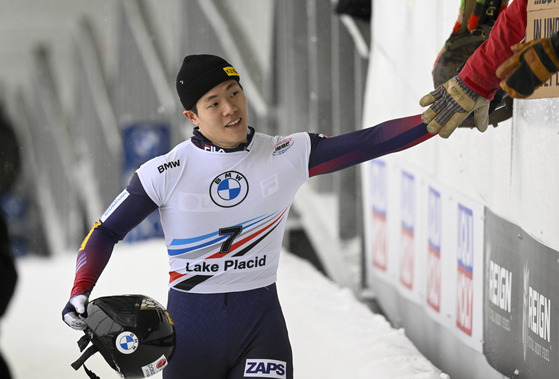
<point>283,146</point>
<point>116,202</point>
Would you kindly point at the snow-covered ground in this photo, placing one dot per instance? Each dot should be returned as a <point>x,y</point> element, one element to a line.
<point>333,335</point>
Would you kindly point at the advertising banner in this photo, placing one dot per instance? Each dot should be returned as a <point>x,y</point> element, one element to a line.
<point>521,296</point>
<point>407,230</point>
<point>395,203</point>
<point>434,244</point>
<point>378,209</point>
<point>426,240</point>
<point>466,249</point>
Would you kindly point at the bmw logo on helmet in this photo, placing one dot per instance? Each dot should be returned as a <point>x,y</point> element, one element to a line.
<point>127,342</point>
<point>229,189</point>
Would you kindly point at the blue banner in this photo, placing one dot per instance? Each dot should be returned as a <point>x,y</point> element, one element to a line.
<point>142,142</point>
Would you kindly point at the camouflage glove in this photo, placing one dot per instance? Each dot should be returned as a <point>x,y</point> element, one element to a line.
<point>475,20</point>
<point>532,64</point>
<point>451,104</point>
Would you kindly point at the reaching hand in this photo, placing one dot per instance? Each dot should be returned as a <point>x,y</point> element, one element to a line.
<point>451,104</point>
<point>532,64</point>
<point>75,308</point>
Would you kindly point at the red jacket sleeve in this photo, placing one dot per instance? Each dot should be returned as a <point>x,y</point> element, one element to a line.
<point>479,71</point>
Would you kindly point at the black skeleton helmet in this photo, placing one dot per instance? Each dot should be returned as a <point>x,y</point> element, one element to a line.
<point>134,334</point>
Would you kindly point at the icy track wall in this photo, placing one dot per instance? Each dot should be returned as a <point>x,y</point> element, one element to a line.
<point>461,234</point>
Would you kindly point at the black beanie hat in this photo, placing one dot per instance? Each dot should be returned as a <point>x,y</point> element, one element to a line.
<point>199,74</point>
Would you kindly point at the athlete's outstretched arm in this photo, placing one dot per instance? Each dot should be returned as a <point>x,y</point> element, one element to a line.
<point>329,154</point>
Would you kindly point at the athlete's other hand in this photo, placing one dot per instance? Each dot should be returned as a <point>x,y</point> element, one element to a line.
<point>451,103</point>
<point>75,308</point>
<point>532,64</point>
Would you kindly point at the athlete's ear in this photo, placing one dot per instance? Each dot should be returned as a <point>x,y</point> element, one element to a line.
<point>192,117</point>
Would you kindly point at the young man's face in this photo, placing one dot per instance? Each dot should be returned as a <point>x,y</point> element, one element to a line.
<point>222,114</point>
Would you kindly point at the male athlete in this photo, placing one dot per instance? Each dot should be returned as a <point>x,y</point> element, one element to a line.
<point>224,196</point>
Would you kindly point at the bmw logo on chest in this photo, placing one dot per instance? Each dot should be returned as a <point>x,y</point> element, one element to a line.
<point>229,189</point>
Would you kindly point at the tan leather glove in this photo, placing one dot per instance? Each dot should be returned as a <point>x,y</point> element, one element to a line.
<point>451,104</point>
<point>532,64</point>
